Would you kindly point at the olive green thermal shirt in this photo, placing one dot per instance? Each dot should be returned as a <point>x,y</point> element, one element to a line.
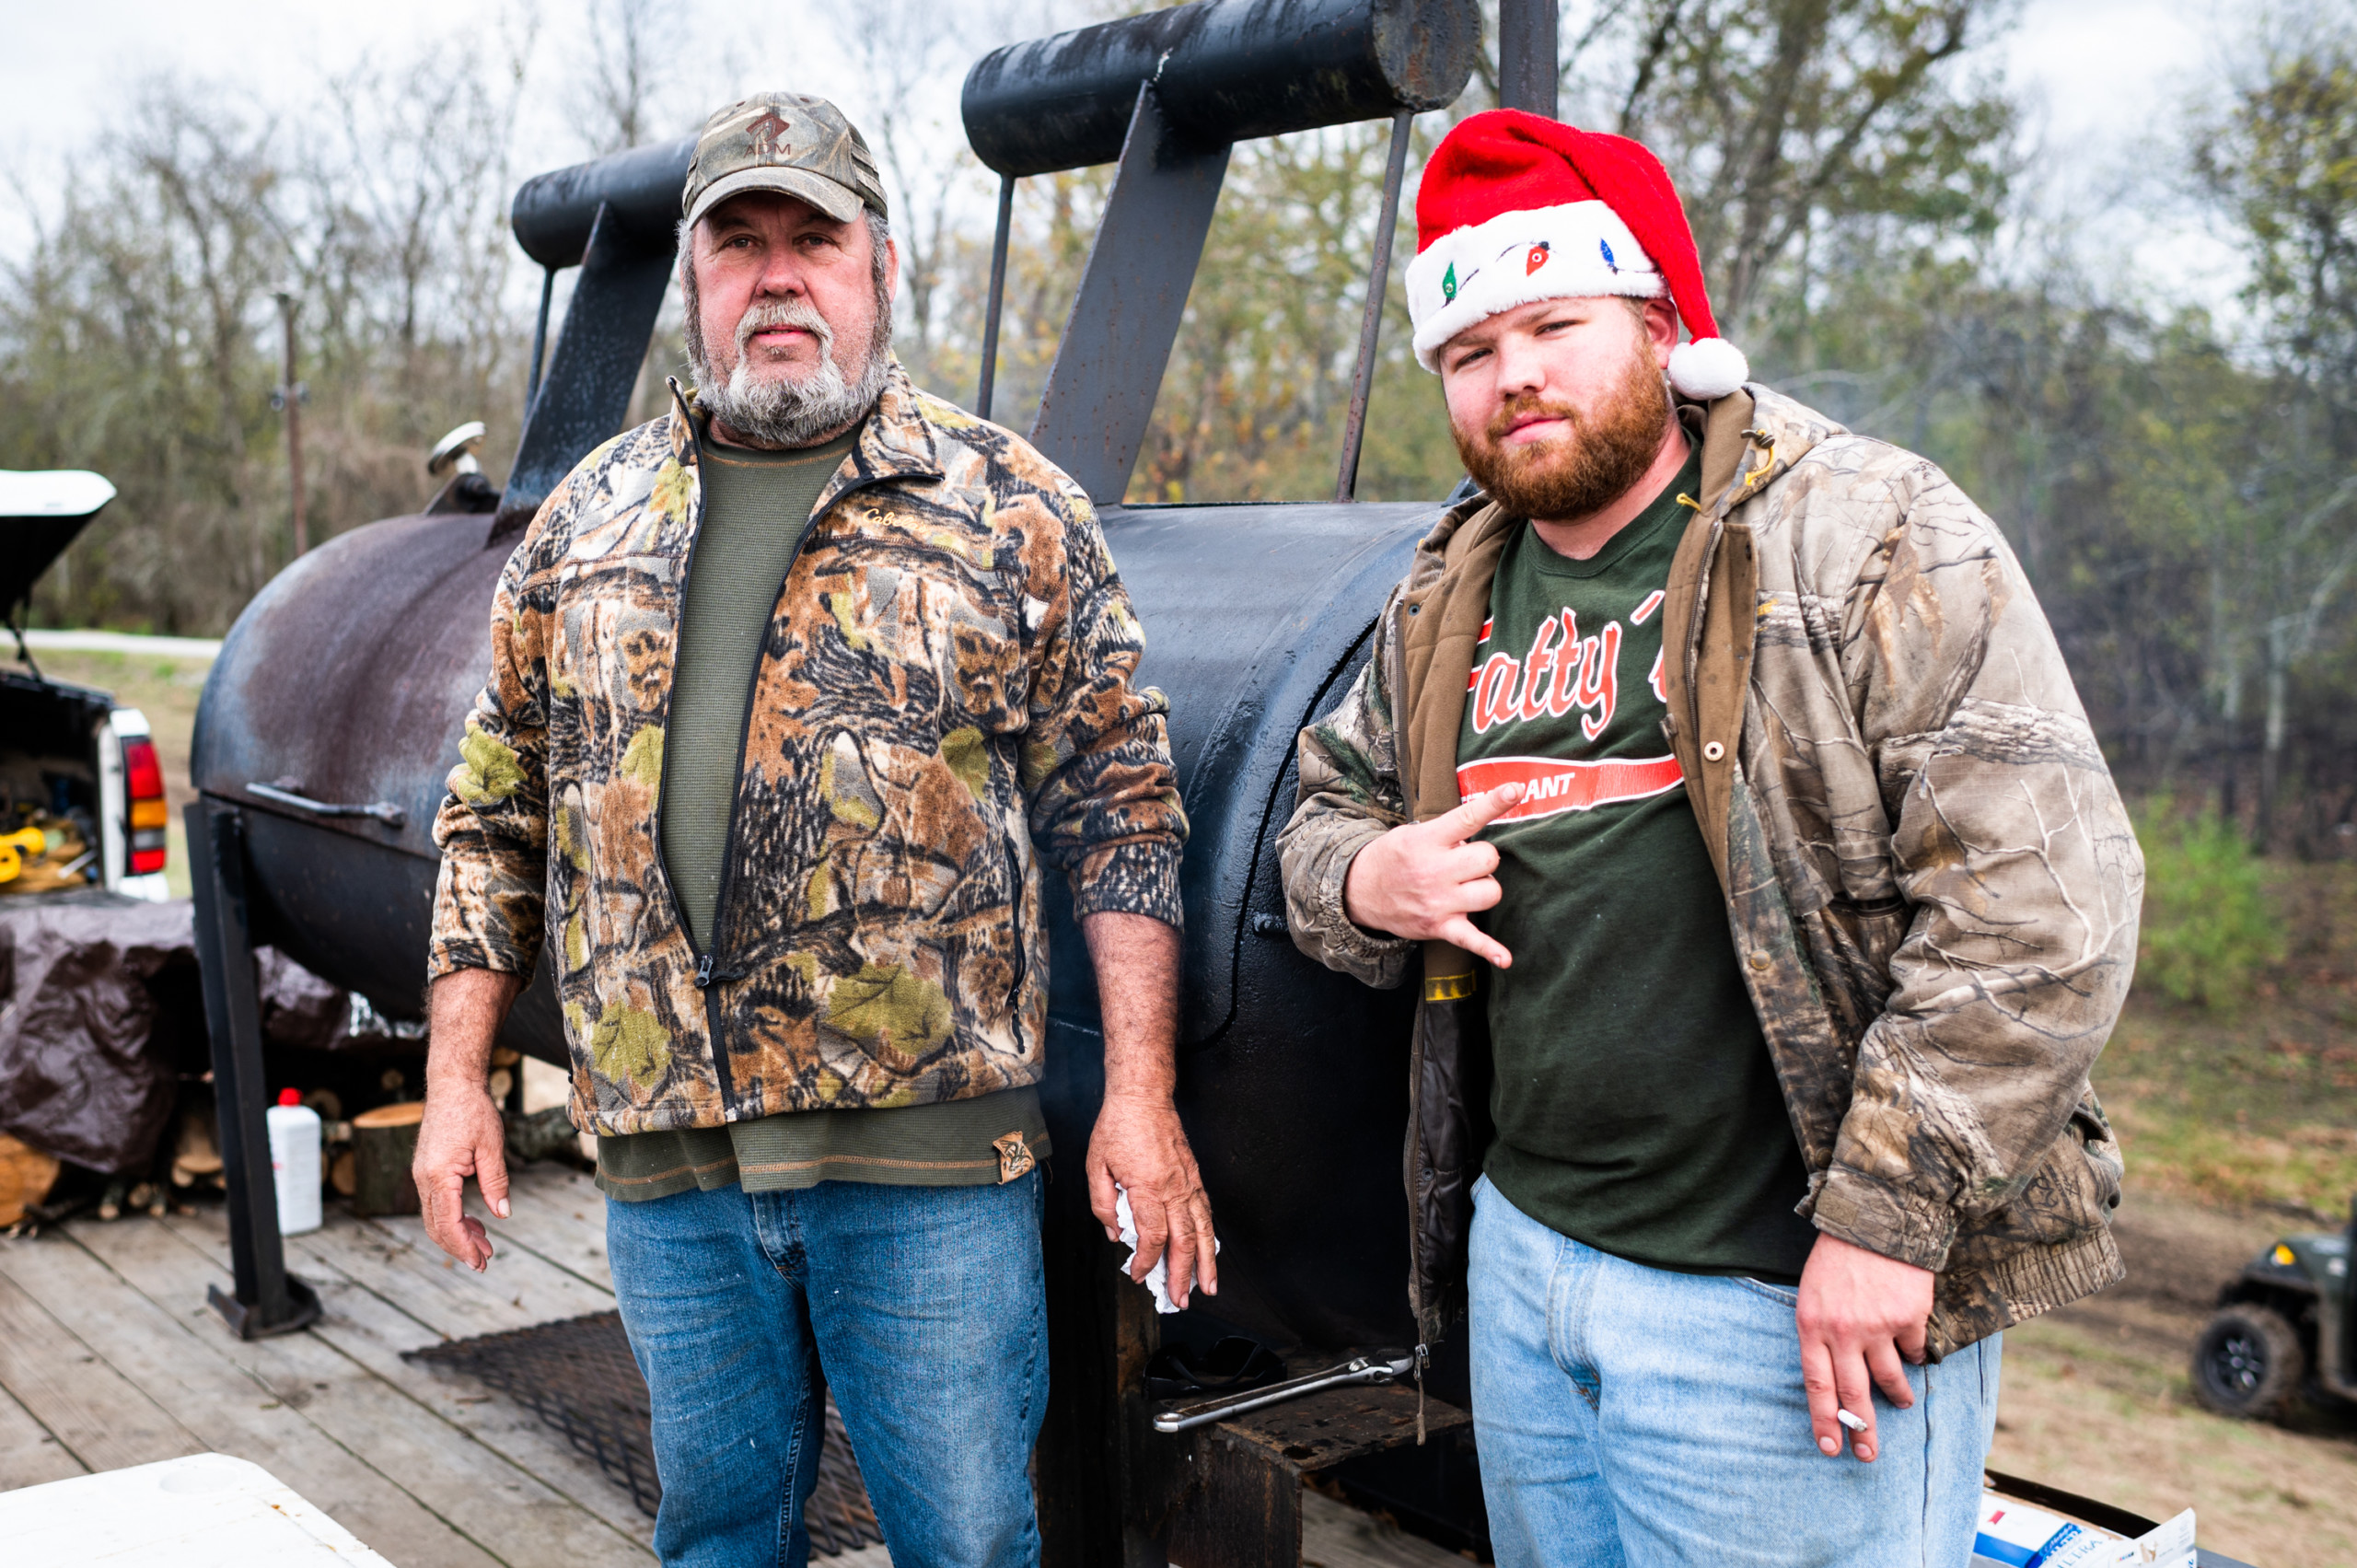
<point>756,507</point>
<point>1636,1105</point>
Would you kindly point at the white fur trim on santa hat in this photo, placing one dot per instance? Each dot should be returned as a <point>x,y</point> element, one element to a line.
<point>1708,368</point>
<point>1574,251</point>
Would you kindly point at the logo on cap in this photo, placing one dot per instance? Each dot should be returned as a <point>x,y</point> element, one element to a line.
<point>790,143</point>
<point>768,133</point>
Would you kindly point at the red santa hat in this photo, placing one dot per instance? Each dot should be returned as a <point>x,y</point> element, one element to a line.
<point>1516,207</point>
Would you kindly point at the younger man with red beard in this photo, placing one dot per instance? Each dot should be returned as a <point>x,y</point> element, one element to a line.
<point>1719,776</point>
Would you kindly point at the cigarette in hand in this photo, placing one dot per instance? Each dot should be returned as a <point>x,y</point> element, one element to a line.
<point>1855,1424</point>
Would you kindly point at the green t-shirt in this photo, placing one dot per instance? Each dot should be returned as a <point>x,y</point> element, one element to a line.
<point>1636,1105</point>
<point>756,507</point>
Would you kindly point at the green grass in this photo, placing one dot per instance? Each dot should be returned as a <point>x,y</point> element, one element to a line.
<point>2210,931</point>
<point>2252,1100</point>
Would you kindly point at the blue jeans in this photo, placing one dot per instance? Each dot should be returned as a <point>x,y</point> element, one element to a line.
<point>1628,1416</point>
<point>924,1306</point>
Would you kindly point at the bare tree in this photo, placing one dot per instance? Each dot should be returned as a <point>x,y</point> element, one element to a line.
<point>627,70</point>
<point>2280,164</point>
<point>1781,117</point>
<point>138,338</point>
<point>406,208</point>
<point>210,183</point>
<point>901,52</point>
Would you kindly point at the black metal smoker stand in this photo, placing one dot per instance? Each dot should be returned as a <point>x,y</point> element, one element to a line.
<point>264,1299</point>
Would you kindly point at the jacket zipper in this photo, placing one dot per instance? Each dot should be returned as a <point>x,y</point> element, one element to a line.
<point>1692,653</point>
<point>1022,953</point>
<point>703,971</point>
<point>1719,512</point>
<point>708,969</point>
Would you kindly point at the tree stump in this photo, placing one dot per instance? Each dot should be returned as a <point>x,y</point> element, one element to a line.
<point>383,1142</point>
<point>196,1147</point>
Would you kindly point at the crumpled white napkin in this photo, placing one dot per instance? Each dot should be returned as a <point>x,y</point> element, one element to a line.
<point>1157,1279</point>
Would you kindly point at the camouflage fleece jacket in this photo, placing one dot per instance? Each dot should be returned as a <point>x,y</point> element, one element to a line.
<point>942,701</point>
<point>1929,876</point>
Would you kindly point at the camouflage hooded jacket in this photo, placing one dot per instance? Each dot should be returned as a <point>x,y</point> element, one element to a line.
<point>942,701</point>
<point>1930,879</point>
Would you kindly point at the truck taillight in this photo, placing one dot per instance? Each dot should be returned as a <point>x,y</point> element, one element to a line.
<point>143,778</point>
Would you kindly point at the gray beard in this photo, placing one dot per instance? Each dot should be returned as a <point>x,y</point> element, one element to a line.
<point>775,411</point>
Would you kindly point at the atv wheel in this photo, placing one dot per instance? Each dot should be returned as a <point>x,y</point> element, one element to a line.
<point>2248,1362</point>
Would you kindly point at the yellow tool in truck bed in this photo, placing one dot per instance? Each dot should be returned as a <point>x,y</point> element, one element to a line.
<point>49,855</point>
<point>18,848</point>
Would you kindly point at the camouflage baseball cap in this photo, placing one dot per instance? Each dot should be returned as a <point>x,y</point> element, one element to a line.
<point>790,143</point>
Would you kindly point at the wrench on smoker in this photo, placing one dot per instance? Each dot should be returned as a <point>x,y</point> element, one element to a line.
<point>1359,1369</point>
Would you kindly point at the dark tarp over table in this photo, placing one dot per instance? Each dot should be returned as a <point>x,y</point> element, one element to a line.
<point>97,993</point>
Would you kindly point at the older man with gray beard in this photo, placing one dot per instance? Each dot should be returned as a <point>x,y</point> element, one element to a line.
<point>792,693</point>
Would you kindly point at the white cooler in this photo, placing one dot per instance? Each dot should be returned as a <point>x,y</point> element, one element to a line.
<point>204,1511</point>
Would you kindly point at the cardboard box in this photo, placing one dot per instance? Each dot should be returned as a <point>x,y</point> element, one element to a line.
<point>2015,1534</point>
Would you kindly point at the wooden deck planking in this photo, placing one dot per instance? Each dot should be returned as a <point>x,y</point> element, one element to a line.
<point>28,1454</point>
<point>1335,1535</point>
<point>485,1496</point>
<point>557,1214</point>
<point>176,1356</point>
<point>421,1463</point>
<point>373,1331</point>
<point>99,1416</point>
<point>384,1294</point>
<point>393,1257</point>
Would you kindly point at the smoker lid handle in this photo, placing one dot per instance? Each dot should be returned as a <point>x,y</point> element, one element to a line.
<point>384,811</point>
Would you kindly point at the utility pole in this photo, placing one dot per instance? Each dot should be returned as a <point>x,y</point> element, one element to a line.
<point>289,399</point>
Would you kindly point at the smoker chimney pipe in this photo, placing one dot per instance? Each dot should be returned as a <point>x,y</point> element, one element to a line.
<point>553,211</point>
<point>1225,71</point>
<point>1528,66</point>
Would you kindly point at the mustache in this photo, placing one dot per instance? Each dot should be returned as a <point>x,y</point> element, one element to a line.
<point>1522,406</point>
<point>768,315</point>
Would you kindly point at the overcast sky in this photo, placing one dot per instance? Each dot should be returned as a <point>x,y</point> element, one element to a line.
<point>2102,77</point>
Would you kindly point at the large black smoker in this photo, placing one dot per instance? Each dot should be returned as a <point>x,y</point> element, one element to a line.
<point>333,712</point>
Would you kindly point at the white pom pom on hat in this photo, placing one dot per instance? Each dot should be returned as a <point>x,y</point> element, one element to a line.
<point>1514,207</point>
<point>1708,368</point>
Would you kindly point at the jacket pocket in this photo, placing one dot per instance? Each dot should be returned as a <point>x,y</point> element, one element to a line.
<point>923,881</point>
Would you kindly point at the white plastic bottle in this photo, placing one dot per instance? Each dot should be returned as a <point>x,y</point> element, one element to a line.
<point>294,1162</point>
